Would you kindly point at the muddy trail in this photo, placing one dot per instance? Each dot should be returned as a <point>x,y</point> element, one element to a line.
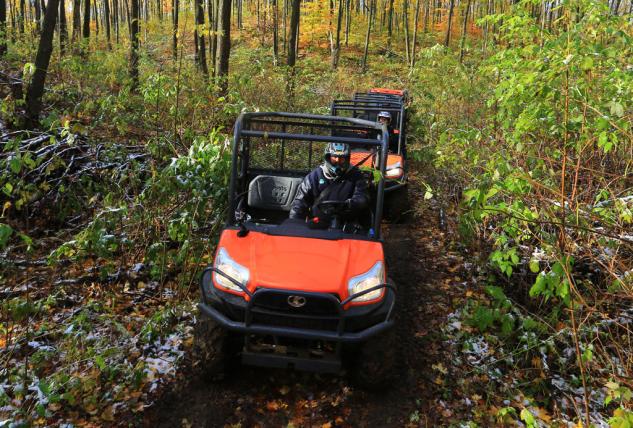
<point>420,262</point>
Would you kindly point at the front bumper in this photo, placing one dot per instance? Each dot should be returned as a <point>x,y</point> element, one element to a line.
<point>327,318</point>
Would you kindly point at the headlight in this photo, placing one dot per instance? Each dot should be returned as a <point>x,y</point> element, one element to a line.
<point>373,277</point>
<point>394,171</point>
<point>231,268</point>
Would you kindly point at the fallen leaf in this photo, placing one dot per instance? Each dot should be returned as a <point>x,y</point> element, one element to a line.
<point>542,414</point>
<point>272,406</point>
<point>284,390</point>
<point>108,414</point>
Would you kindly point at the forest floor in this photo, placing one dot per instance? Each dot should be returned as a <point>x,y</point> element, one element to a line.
<point>424,261</point>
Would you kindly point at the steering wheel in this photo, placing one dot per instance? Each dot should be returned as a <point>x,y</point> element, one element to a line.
<point>331,207</point>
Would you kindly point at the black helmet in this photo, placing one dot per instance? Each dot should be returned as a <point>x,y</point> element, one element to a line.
<point>386,115</point>
<point>339,150</point>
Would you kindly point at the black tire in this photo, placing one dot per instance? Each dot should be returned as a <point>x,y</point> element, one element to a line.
<point>376,364</point>
<point>397,205</point>
<point>210,349</point>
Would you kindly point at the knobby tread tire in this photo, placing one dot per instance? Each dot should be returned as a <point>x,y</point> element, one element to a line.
<point>377,363</point>
<point>397,205</point>
<point>210,349</point>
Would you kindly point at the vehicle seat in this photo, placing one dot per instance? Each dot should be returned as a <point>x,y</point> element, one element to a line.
<point>270,197</point>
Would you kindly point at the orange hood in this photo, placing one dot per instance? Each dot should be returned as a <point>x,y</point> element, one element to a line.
<point>305,264</point>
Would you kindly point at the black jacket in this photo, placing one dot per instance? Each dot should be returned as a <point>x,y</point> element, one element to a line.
<point>352,185</point>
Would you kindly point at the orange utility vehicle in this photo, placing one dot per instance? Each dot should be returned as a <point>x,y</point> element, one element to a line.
<point>367,106</point>
<point>281,292</point>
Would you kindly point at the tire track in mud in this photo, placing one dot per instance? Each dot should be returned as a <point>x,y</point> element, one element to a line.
<point>250,396</point>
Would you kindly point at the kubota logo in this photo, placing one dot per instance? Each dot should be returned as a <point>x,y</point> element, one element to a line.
<point>296,301</point>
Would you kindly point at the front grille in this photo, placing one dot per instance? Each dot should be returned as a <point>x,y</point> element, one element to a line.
<point>306,323</point>
<point>278,301</point>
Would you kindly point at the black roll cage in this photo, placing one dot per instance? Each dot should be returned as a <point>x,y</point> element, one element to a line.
<point>377,105</point>
<point>243,132</point>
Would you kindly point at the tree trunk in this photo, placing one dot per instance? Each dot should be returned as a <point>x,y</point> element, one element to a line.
<point>134,44</point>
<point>293,32</point>
<point>224,45</point>
<point>3,27</point>
<point>115,19</point>
<point>389,21</point>
<point>42,59</point>
<point>174,20</point>
<point>450,22</point>
<point>96,15</point>
<point>405,24</point>
<point>348,20</point>
<point>337,45</point>
<point>275,32</point>
<point>415,32</point>
<point>199,35</point>
<point>284,42</point>
<point>464,30</point>
<point>38,15</point>
<point>214,47</point>
<point>12,5</point>
<point>210,32</point>
<point>63,27</point>
<point>86,28</point>
<point>106,19</point>
<point>22,15</point>
<point>371,16</point>
<point>76,19</point>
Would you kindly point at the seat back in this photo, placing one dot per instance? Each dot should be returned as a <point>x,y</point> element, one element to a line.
<point>272,192</point>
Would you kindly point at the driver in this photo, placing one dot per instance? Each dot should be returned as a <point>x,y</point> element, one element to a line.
<point>334,180</point>
<point>385,118</point>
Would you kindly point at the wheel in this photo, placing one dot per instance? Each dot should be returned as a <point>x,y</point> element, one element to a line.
<point>375,365</point>
<point>210,348</point>
<point>397,205</point>
<point>376,362</point>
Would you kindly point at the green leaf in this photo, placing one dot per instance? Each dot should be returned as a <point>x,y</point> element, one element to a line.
<point>528,418</point>
<point>100,361</point>
<point>617,109</point>
<point>534,266</point>
<point>5,234</point>
<point>15,164</point>
<point>29,69</point>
